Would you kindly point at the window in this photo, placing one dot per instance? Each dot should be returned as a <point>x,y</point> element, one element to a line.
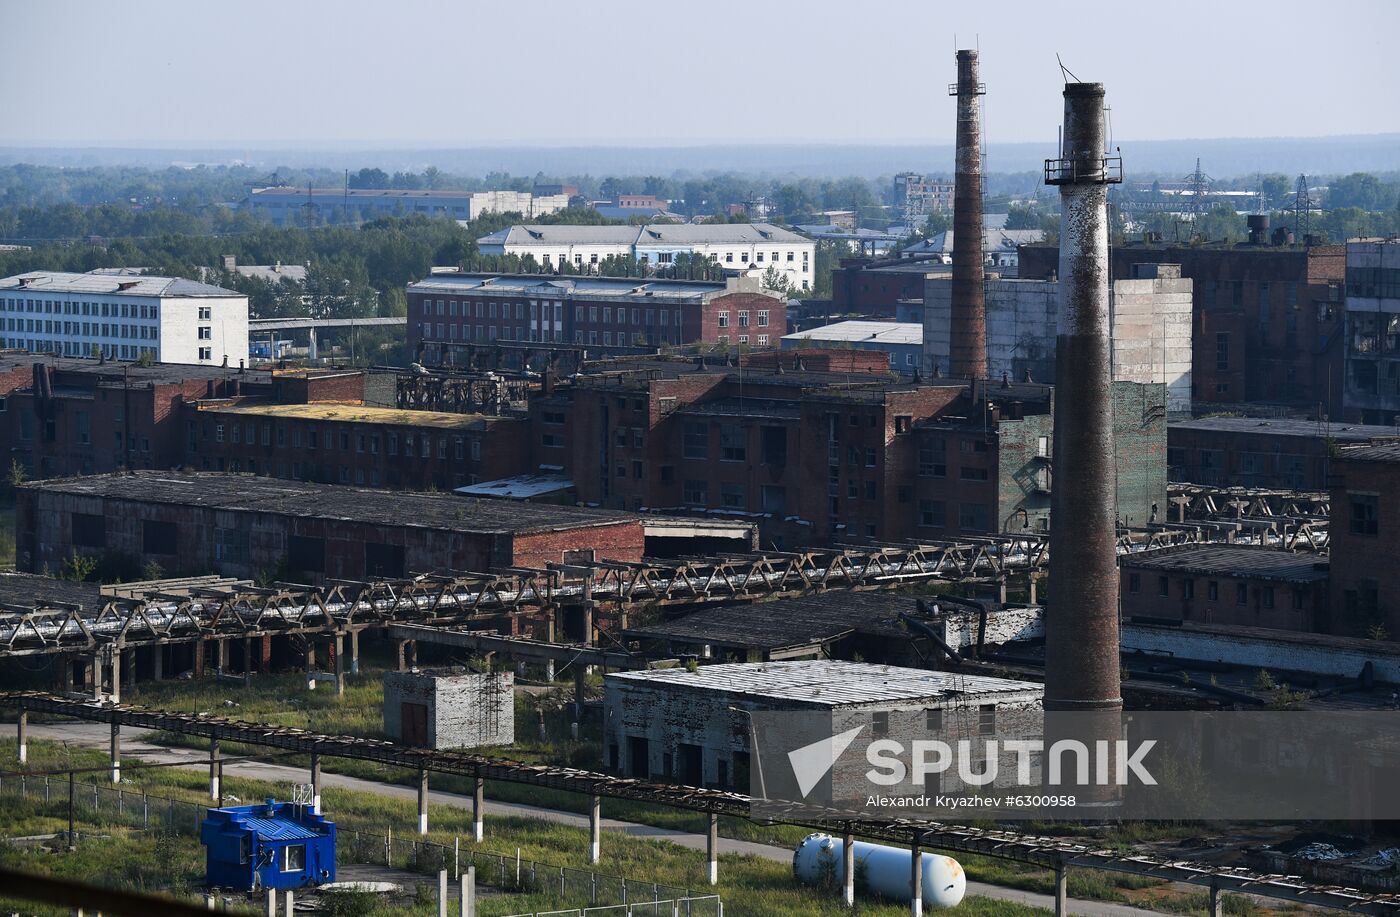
<point>974,517</point>
<point>294,858</point>
<point>695,493</point>
<point>732,446</point>
<point>763,318</point>
<point>932,513</point>
<point>933,720</point>
<point>932,461</point>
<point>1241,594</point>
<point>205,313</point>
<point>1266,596</point>
<point>972,474</point>
<point>206,353</point>
<point>733,496</point>
<point>1222,351</point>
<point>903,423</point>
<point>159,537</point>
<point>723,318</point>
<point>743,318</point>
<point>231,545</point>
<point>89,530</point>
<point>1365,510</point>
<point>696,440</point>
<point>1162,584</point>
<point>880,723</point>
<point>774,499</point>
<point>306,554</point>
<point>1212,590</point>
<point>1188,588</point>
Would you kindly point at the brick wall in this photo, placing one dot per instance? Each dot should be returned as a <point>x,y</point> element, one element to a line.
<point>1216,599</point>
<point>1365,576</point>
<point>703,324</point>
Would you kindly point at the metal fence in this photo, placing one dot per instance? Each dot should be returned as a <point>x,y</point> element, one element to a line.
<point>704,906</point>
<point>98,806</point>
<point>509,873</point>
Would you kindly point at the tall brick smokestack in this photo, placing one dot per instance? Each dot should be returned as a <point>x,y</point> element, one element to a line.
<point>967,349</point>
<point>1081,618</point>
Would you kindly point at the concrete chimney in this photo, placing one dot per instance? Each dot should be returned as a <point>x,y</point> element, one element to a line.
<point>1081,618</point>
<point>967,350</point>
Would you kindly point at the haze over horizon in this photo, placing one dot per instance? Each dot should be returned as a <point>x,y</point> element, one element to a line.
<point>327,76</point>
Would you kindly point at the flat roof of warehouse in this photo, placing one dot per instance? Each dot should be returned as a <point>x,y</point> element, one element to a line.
<point>1232,560</point>
<point>30,591</point>
<point>1286,426</point>
<point>828,682</point>
<point>355,413</point>
<point>249,493</point>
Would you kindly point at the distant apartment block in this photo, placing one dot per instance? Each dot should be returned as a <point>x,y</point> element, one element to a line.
<point>736,246</point>
<point>314,206</point>
<point>1373,331</point>
<point>918,195</point>
<point>123,317</point>
<point>597,311</point>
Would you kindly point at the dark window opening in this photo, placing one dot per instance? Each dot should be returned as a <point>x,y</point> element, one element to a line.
<point>159,537</point>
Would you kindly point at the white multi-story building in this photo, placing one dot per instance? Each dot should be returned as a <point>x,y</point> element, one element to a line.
<point>737,246</point>
<point>299,206</point>
<point>122,317</point>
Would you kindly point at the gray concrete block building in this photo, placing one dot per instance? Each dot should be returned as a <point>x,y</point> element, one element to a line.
<point>449,708</point>
<point>1151,323</point>
<point>693,727</point>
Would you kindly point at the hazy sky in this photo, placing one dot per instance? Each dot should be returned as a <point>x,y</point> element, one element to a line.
<point>614,72</point>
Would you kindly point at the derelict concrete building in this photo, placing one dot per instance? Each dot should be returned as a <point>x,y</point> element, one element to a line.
<point>437,708</point>
<point>693,727</point>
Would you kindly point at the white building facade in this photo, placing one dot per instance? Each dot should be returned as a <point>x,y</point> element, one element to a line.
<point>736,246</point>
<point>168,319</point>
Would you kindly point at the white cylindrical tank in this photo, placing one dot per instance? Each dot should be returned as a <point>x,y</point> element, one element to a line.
<point>880,870</point>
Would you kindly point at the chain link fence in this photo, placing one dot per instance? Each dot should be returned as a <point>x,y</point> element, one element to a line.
<point>97,807</point>
<point>704,906</point>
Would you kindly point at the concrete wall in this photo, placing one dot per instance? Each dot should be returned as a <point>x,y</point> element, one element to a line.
<point>1151,331</point>
<point>464,711</point>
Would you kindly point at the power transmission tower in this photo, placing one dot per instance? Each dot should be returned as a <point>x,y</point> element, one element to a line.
<point>1198,186</point>
<point>1302,208</point>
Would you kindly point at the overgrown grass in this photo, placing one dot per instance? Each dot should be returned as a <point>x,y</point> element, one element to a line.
<point>130,859</point>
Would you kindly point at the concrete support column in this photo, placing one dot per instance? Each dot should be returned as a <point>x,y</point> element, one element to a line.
<point>1217,901</point>
<point>247,659</point>
<point>94,676</point>
<point>479,810</point>
<point>549,670</point>
<point>288,903</point>
<point>197,662</point>
<point>595,829</point>
<point>422,800</point>
<point>1031,586</point>
<point>214,789</point>
<point>469,892</point>
<point>338,646</point>
<point>221,651</point>
<point>114,654</point>
<point>354,652</point>
<point>129,666</point>
<point>1061,890</point>
<point>116,753</point>
<point>271,902</point>
<point>22,739</point>
<point>587,611</point>
<point>442,893</point>
<point>712,849</point>
<point>848,868</point>
<point>1001,590</point>
<point>916,878</point>
<point>158,662</point>
<point>579,686</point>
<point>316,783</point>
<point>311,663</point>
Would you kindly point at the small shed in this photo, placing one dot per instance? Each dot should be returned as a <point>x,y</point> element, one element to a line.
<point>272,845</point>
<point>449,708</point>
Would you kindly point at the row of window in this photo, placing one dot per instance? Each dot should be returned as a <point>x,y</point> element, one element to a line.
<point>86,329</point>
<point>411,445</point>
<point>81,307</point>
<point>723,316</point>
<point>1187,590</point>
<point>83,348</point>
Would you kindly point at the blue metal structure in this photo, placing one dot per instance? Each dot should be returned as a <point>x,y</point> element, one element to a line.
<point>272,845</point>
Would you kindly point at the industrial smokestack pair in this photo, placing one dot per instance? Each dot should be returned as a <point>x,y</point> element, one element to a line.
<point>1081,621</point>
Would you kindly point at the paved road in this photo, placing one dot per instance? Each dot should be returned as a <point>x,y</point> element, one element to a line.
<point>98,735</point>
